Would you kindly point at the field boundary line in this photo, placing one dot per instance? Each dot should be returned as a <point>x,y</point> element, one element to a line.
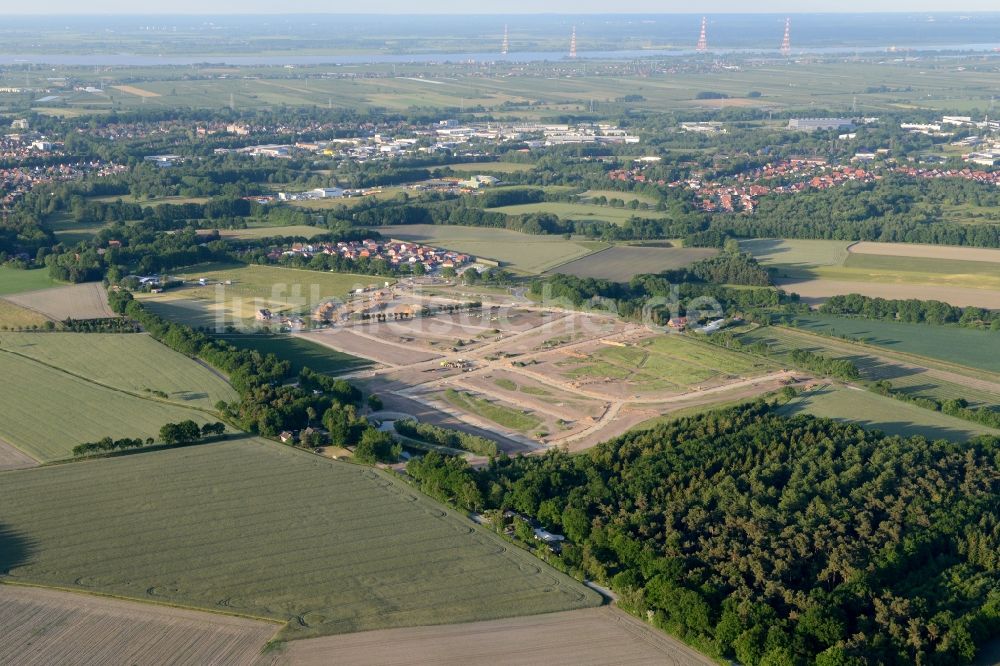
<point>900,356</point>
<point>117,597</point>
<point>583,256</point>
<point>116,389</point>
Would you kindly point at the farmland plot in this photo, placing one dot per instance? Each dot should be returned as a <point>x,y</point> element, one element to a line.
<point>47,412</point>
<point>276,533</point>
<point>623,262</point>
<point>76,301</point>
<point>589,637</point>
<point>131,362</point>
<point>50,626</point>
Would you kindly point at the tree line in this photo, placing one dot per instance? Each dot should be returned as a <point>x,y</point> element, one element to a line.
<point>171,434</point>
<point>911,310</point>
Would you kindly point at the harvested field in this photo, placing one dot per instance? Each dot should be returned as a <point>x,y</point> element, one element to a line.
<point>138,92</point>
<point>926,251</point>
<point>77,301</point>
<point>135,363</point>
<point>490,167</point>
<point>361,344</point>
<point>276,533</point>
<point>595,636</point>
<point>47,412</point>
<point>815,291</point>
<point>13,458</point>
<point>51,627</point>
<point>16,316</point>
<point>623,262</point>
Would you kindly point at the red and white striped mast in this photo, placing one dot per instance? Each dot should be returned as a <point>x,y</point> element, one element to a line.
<point>786,43</point>
<point>703,38</point>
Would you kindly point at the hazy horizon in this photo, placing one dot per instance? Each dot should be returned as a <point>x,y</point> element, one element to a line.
<point>398,7</point>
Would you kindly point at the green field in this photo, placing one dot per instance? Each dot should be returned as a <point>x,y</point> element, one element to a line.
<point>47,411</point>
<point>667,362</point>
<point>797,255</point>
<point>521,252</point>
<point>624,196</point>
<point>906,373</point>
<point>831,260</point>
<point>16,281</point>
<point>255,528</point>
<point>281,290</point>
<point>135,363</point>
<point>866,85</point>
<point>873,411</point>
<point>951,344</point>
<point>268,232</point>
<point>508,417</point>
<point>622,262</point>
<point>578,211</point>
<point>299,352</point>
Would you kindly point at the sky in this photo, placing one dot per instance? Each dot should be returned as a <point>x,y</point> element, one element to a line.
<point>468,7</point>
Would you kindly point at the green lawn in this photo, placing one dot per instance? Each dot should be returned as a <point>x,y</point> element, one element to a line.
<point>255,528</point>
<point>130,362</point>
<point>299,352</point>
<point>666,362</point>
<point>16,281</point>
<point>508,417</point>
<point>47,412</point>
<point>877,412</point>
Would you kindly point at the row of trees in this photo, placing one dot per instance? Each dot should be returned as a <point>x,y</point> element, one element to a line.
<point>171,434</point>
<point>455,439</point>
<point>824,365</point>
<point>911,310</point>
<point>957,407</point>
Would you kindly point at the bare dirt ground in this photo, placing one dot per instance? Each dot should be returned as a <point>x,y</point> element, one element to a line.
<point>12,457</point>
<point>819,290</point>
<point>595,636</point>
<point>43,627</point>
<point>76,301</point>
<point>925,251</point>
<point>513,357</point>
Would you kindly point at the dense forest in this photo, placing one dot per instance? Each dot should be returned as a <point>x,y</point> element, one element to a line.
<point>772,540</point>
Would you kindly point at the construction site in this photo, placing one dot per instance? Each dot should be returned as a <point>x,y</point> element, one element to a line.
<point>533,377</point>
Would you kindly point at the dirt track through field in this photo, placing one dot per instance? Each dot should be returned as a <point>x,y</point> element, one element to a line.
<point>42,626</point>
<point>596,636</point>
